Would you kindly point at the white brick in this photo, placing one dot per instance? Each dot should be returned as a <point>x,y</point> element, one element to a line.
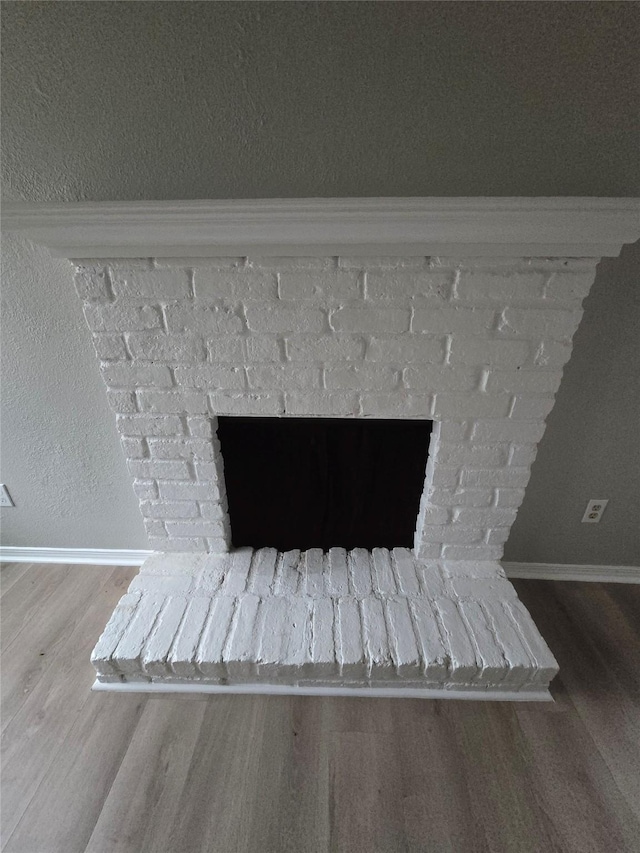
<point>479,405</point>
<point>323,657</point>
<point>430,577</point>
<point>92,282</point>
<point>380,320</point>
<point>475,455</point>
<point>136,375</point>
<point>213,510</point>
<point>523,455</point>
<point>384,262</point>
<point>149,425</point>
<point>169,509</point>
<point>467,552</point>
<point>234,284</point>
<point>451,534</point>
<point>524,381</point>
<point>122,317</point>
<point>261,348</point>
<point>101,656</point>
<point>134,448</point>
<point>462,497</point>
<point>533,641</point>
<point>183,653</point>
<point>225,349</point>
<point>151,284</point>
<point>262,571</point>
<point>109,346</point>
<point>510,477</point>
<point>312,565</point>
<point>186,491</point>
<point>405,571</point>
<point>515,652</point>
<point>569,288</point>
<point>398,285</point>
<point>172,402</point>
<point>437,378</point>
<point>209,655</point>
<point>458,645</point>
<point>197,528</point>
<point>365,378</point>
<point>256,403</point>
<point>149,469</point>
<point>491,517</point>
<point>210,377</point>
<point>236,579</point>
<point>374,632</point>
<point>156,651</point>
<point>285,377</point>
<point>432,649</point>
<point>360,571</point>
<point>460,321</point>
<point>322,403</point>
<point>145,489</point>
<point>509,497</point>
<point>284,318</point>
<point>552,354</point>
<point>325,348</point>
<point>506,430</point>
<point>240,651</point>
<point>319,286</point>
<point>402,639</point>
<point>199,426</point>
<point>398,405</point>
<point>482,351</point>
<point>406,350</point>
<point>288,573</point>
<point>337,579</point>
<point>546,323</point>
<point>488,652</point>
<point>168,348</point>
<point>484,286</point>
<point>178,545</point>
<point>349,650</point>
<point>122,402</point>
<point>531,408</point>
<point>126,657</point>
<point>199,317</point>
<point>383,578</point>
<point>163,585</point>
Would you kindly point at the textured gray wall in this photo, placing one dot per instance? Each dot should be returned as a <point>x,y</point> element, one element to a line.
<point>109,100</point>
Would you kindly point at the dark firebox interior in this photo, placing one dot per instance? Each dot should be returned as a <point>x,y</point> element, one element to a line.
<point>320,482</point>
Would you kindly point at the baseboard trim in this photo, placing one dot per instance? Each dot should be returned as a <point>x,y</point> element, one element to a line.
<point>88,556</point>
<point>572,572</point>
<point>119,557</point>
<point>542,695</point>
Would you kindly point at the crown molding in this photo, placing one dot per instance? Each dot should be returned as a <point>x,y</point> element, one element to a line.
<point>464,227</point>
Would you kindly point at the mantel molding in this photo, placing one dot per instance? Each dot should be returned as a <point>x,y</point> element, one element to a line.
<point>534,227</point>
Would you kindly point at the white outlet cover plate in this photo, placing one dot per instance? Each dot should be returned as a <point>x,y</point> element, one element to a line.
<point>594,510</point>
<point>5,497</point>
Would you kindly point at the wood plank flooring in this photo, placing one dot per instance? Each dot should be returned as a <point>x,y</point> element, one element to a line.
<point>242,774</point>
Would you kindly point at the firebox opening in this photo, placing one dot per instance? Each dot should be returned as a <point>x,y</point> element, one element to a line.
<point>323,482</point>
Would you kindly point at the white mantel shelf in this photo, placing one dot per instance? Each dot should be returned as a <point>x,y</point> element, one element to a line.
<point>464,227</point>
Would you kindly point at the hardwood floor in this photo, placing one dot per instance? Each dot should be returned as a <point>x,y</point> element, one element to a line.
<point>95,772</point>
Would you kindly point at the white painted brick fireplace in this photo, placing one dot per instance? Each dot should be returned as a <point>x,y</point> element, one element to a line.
<point>458,311</point>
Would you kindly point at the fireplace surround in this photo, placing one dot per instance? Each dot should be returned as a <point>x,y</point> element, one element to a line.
<point>457,311</point>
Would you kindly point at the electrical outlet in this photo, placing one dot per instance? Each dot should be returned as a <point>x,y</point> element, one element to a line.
<point>5,497</point>
<point>594,510</point>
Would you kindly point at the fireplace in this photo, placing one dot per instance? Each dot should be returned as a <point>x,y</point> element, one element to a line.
<point>323,482</point>
<point>237,325</point>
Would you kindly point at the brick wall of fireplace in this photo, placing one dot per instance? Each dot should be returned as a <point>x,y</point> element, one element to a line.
<point>476,345</point>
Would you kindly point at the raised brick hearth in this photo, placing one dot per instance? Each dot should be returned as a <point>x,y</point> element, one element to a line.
<point>474,340</point>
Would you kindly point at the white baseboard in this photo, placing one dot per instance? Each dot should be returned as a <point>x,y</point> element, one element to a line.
<point>117,557</point>
<point>85,556</point>
<point>572,572</point>
<point>541,695</point>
